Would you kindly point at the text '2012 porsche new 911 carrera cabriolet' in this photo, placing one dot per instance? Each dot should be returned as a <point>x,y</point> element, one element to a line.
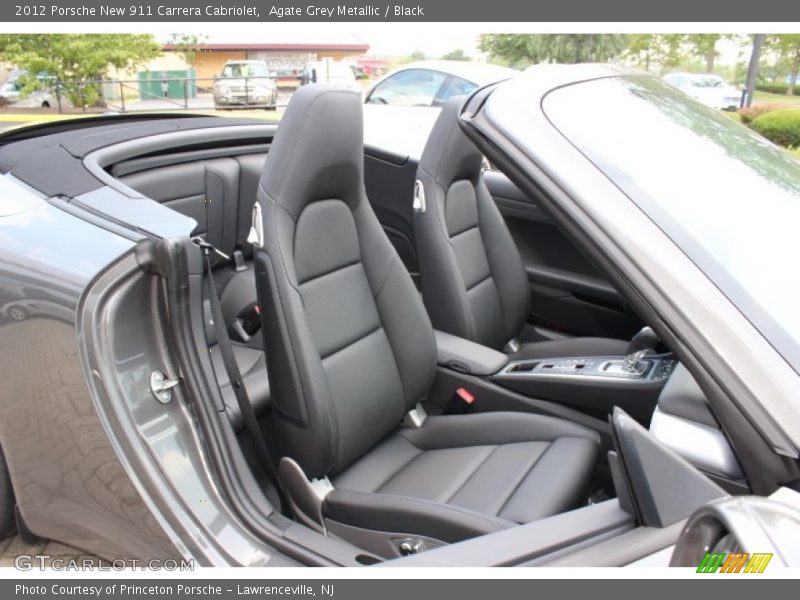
<point>249,343</point>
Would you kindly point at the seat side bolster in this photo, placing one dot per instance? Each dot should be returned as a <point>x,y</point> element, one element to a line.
<point>505,263</point>
<point>454,431</point>
<point>443,288</point>
<point>409,516</point>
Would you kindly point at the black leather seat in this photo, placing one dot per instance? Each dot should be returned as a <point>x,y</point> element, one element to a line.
<point>474,284</point>
<point>351,351</point>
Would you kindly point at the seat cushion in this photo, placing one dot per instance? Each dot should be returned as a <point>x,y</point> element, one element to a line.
<point>464,475</point>
<point>579,346</point>
<point>253,367</point>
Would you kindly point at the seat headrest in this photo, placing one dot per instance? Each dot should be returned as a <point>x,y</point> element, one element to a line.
<point>449,155</point>
<point>318,150</point>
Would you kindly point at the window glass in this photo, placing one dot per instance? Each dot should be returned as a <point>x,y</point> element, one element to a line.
<point>455,86</point>
<point>724,194</point>
<point>414,87</point>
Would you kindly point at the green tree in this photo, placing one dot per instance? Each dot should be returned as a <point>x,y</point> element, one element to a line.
<point>655,51</point>
<point>520,50</point>
<point>76,59</point>
<point>455,55</point>
<point>787,47</point>
<point>187,45</point>
<point>415,56</point>
<point>704,46</point>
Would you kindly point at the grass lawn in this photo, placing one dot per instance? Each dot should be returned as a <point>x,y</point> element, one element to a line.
<point>761,97</point>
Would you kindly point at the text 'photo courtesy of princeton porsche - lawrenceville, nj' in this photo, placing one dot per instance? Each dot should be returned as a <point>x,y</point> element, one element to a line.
<point>460,298</point>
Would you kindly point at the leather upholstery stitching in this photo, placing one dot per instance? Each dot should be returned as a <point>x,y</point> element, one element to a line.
<point>472,474</point>
<point>392,262</point>
<point>495,521</point>
<point>523,478</point>
<point>351,343</point>
<point>479,282</point>
<point>463,231</point>
<point>331,272</point>
<point>402,468</point>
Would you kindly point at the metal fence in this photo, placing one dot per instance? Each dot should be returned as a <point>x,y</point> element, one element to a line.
<point>160,94</point>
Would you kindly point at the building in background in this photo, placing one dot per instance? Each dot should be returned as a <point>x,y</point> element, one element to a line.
<point>279,53</point>
<point>371,66</point>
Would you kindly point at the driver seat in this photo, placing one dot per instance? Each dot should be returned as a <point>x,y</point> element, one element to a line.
<point>350,351</point>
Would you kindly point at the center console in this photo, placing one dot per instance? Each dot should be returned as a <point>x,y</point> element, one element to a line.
<point>593,384</point>
<point>603,369</point>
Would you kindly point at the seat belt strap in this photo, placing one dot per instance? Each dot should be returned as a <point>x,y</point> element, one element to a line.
<point>235,377</point>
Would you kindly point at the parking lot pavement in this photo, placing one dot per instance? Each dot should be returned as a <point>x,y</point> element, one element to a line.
<point>13,547</point>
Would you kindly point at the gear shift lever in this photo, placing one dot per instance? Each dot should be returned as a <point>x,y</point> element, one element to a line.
<point>641,344</point>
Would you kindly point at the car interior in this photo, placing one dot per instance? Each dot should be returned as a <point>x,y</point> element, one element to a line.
<point>429,356</point>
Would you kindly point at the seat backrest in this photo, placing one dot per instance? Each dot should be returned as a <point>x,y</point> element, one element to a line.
<point>473,282</point>
<point>349,346</point>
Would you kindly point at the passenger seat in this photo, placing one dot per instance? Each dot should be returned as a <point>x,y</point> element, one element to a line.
<point>474,284</point>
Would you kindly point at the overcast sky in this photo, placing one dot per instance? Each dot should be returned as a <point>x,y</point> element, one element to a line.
<point>431,43</point>
<point>383,39</point>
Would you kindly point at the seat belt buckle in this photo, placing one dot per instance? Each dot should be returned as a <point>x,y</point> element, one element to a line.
<point>512,346</point>
<point>460,402</point>
<point>238,261</point>
<point>251,318</point>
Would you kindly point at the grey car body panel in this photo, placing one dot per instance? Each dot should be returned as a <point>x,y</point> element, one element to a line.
<point>163,457</point>
<point>59,454</point>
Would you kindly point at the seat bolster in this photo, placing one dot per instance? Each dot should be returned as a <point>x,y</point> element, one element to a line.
<point>493,428</point>
<point>443,288</point>
<point>409,516</point>
<point>557,482</point>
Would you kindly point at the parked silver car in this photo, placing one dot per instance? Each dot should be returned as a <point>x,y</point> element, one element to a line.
<point>245,83</point>
<point>712,90</point>
<point>45,96</point>
<point>401,107</point>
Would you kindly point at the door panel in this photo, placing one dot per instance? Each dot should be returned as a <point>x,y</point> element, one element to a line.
<point>568,293</point>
